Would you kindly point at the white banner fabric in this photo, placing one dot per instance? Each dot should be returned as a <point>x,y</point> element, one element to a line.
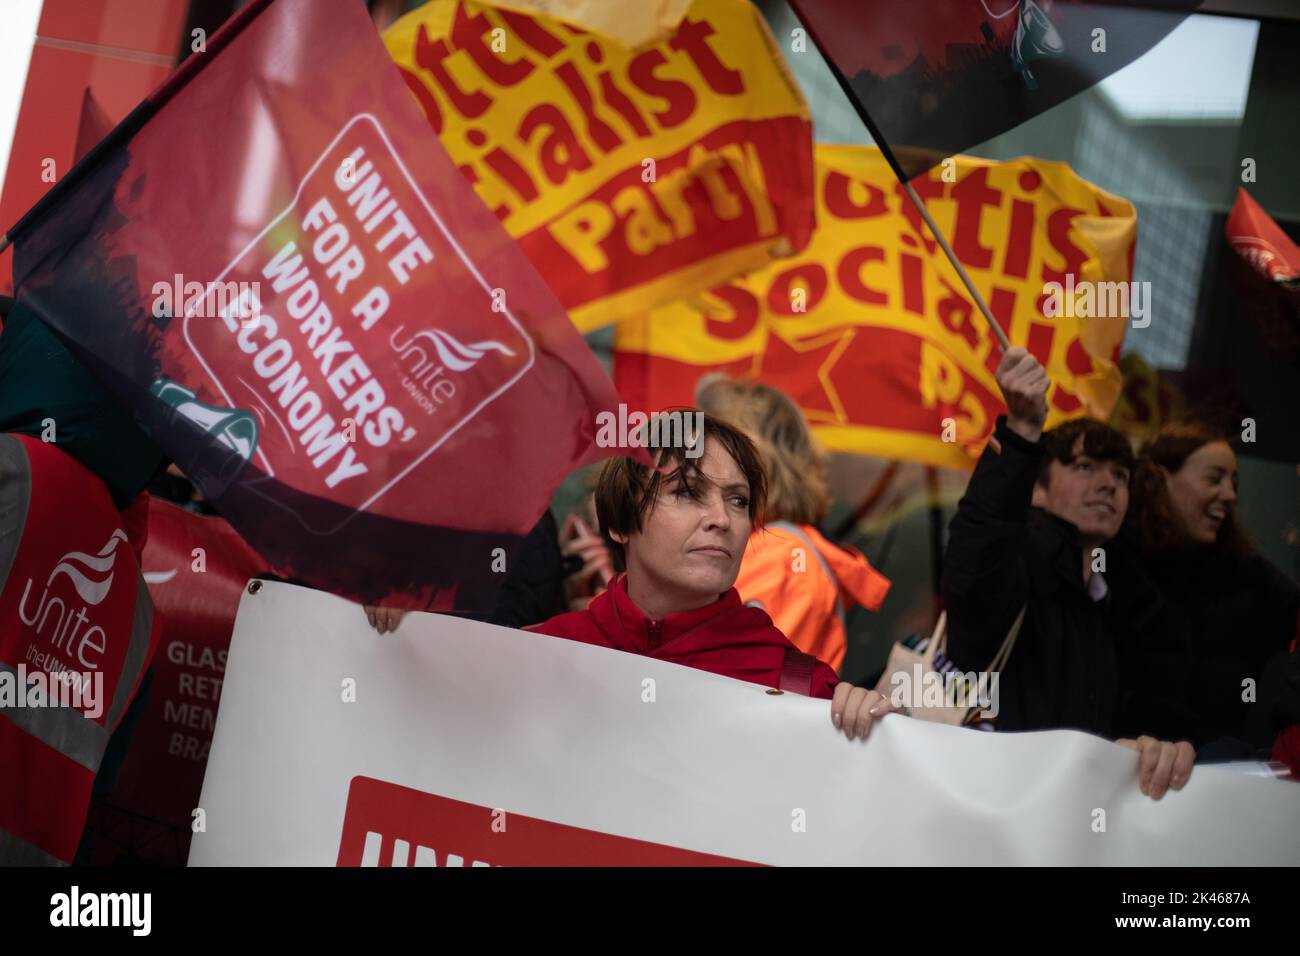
<point>456,743</point>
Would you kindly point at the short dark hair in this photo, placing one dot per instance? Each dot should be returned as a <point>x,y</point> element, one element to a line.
<point>627,489</point>
<point>1100,443</point>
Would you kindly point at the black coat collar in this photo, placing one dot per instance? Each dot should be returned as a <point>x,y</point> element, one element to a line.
<point>1057,540</point>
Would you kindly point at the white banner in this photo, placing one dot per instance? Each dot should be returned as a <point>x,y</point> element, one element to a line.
<point>455,743</point>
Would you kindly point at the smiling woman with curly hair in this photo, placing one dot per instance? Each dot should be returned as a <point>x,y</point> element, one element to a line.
<point>1223,610</point>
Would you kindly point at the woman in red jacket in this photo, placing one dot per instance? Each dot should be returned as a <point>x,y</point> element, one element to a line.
<point>680,529</point>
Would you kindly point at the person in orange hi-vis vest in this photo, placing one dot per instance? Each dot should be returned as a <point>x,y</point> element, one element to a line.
<point>803,581</point>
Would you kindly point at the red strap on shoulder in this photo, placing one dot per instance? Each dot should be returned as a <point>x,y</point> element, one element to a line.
<point>797,671</point>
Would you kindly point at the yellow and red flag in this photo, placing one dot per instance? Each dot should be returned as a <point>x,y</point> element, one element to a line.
<point>629,177</point>
<point>870,330</point>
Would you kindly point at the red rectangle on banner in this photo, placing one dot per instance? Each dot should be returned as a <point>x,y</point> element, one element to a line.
<point>390,825</point>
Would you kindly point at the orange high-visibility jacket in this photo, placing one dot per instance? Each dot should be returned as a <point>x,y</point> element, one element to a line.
<point>805,584</point>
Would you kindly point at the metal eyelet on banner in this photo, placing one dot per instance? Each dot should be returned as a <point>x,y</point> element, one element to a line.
<point>254,587</point>
<point>774,692</point>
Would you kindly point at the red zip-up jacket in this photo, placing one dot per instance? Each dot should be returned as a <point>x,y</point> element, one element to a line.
<point>725,637</point>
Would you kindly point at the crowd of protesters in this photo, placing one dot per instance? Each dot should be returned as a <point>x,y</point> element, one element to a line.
<point>1130,600</point>
<point>1140,612</point>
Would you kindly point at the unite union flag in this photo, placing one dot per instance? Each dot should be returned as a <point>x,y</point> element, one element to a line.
<point>276,266</point>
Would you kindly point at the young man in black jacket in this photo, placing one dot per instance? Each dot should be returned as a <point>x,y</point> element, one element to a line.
<point>1030,533</point>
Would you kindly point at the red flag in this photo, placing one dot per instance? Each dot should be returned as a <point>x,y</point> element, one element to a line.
<point>275,264</point>
<point>1267,276</point>
<point>1259,240</point>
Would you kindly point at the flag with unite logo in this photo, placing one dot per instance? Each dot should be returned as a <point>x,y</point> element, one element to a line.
<point>77,633</point>
<point>274,263</point>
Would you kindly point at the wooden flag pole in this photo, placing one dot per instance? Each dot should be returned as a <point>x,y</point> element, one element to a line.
<point>961,270</point>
